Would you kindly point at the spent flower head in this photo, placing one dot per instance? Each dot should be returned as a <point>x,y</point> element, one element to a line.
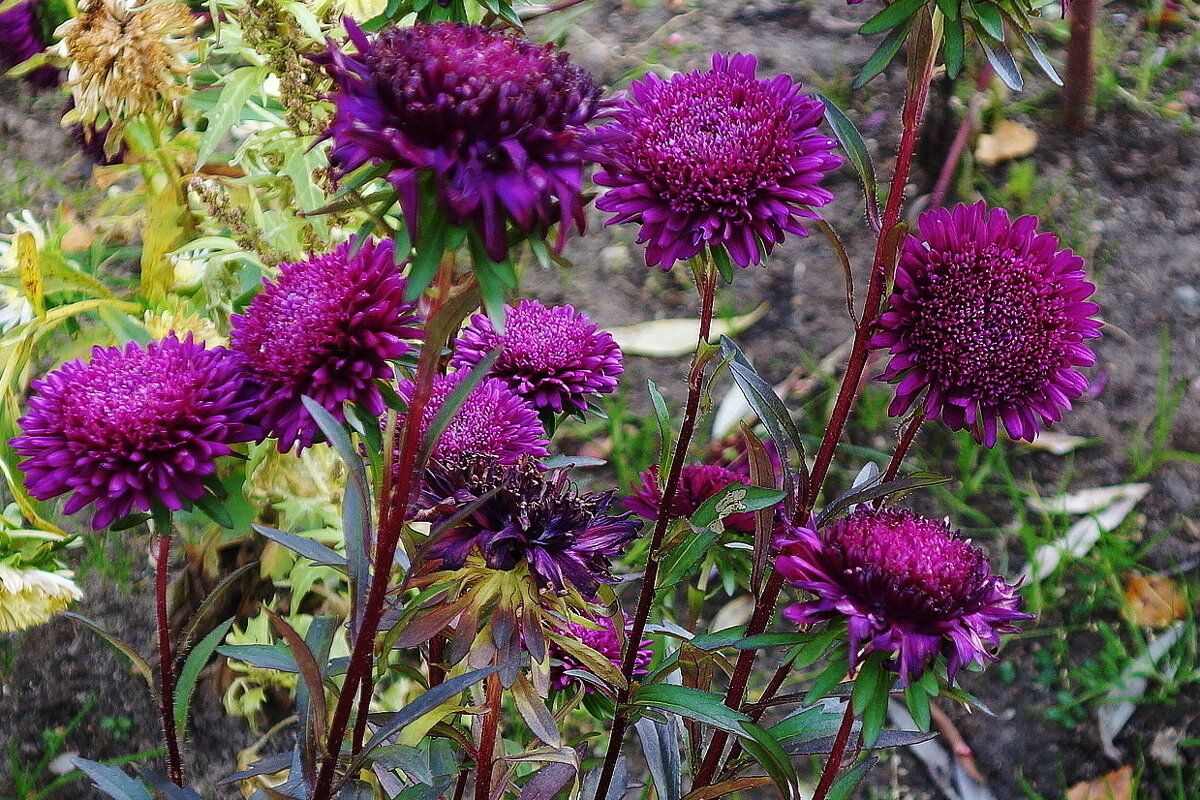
<point>495,121</point>
<point>519,514</point>
<point>988,319</point>
<point>493,423</point>
<point>133,426</point>
<point>554,356</point>
<point>326,328</point>
<point>716,158</point>
<point>127,60</point>
<point>906,586</point>
<point>29,597</point>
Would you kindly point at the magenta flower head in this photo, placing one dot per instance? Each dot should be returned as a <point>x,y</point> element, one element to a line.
<point>520,514</point>
<point>988,318</point>
<point>134,426</point>
<point>21,39</point>
<point>714,159</point>
<point>554,357</point>
<point>601,636</point>
<point>325,328</point>
<point>907,587</point>
<point>493,424</point>
<point>496,121</point>
<point>697,483</point>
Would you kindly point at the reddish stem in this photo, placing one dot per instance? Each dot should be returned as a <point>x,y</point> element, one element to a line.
<point>485,761</point>
<point>1079,80</point>
<point>166,658</point>
<point>881,272</point>
<point>836,755</point>
<point>706,283</point>
<point>906,439</point>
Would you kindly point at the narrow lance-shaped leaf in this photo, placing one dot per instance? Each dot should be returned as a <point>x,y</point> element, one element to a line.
<point>883,55</point>
<point>140,664</point>
<point>190,673</point>
<point>892,15</point>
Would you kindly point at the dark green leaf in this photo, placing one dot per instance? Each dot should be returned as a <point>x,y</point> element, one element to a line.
<point>828,678</point>
<point>949,8</point>
<point>681,562</point>
<point>434,233</point>
<point>737,498</point>
<point>210,603</point>
<point>660,744</point>
<point>871,678</point>
<point>264,656</point>
<point>872,490</point>
<point>665,432</point>
<point>763,640</point>
<point>720,257</point>
<point>139,663</point>
<point>989,17</point>
<point>422,705</point>
<point>806,725</point>
<point>763,747</point>
<point>1001,61</point>
<point>214,509</point>
<point>1035,50</point>
<point>883,55</point>
<point>190,673</point>
<point>691,703</point>
<point>888,739</point>
<point>892,15</point>
<point>844,788</point>
<point>807,654</point>
<point>918,705</point>
<point>314,551</point>
<point>954,45</point>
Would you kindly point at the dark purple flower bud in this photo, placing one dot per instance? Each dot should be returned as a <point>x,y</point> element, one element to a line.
<point>496,121</point>
<point>524,516</point>
<point>553,357</point>
<point>906,586</point>
<point>493,423</point>
<point>714,159</point>
<point>325,328</point>
<point>133,426</point>
<point>988,319</point>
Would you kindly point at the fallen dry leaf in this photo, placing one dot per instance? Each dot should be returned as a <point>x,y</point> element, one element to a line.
<point>1153,601</point>
<point>668,338</point>
<point>1081,536</point>
<point>1116,785</point>
<point>1009,140</point>
<point>1087,501</point>
<point>1058,444</point>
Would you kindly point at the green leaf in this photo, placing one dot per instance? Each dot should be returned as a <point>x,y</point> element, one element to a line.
<point>1001,61</point>
<point>263,656</point>
<point>190,673</point>
<point>767,751</point>
<point>764,640</point>
<point>665,432</point>
<point>720,257</point>
<point>422,705</point>
<point>1035,50</point>
<point>807,724</point>
<point>241,84</point>
<point>453,402</point>
<point>871,676</point>
<point>206,607</point>
<point>112,781</point>
<point>954,41</point>
<point>895,14</point>
<point>434,234</point>
<point>681,562</point>
<point>737,498</point>
<point>845,785</point>
<point>856,148</point>
<point>871,491</point>
<point>917,701</point>
<point>701,706</point>
<point>949,9</point>
<point>828,678</point>
<point>989,17</point>
<point>807,654</point>
<point>883,55</point>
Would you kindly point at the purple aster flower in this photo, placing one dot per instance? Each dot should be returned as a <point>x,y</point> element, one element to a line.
<point>988,318</point>
<point>21,40</point>
<point>714,159</point>
<point>601,636</point>
<point>907,586</point>
<point>326,328</point>
<point>554,357</point>
<point>494,423</point>
<point>697,483</point>
<point>520,514</point>
<point>133,426</point>
<point>495,120</point>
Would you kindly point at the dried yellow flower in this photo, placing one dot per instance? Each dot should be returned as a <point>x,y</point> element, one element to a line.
<point>30,597</point>
<point>126,60</point>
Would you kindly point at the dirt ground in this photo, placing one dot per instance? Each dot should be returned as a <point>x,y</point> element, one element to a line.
<point>1137,177</point>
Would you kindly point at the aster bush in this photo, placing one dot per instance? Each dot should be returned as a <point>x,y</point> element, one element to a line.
<point>461,600</point>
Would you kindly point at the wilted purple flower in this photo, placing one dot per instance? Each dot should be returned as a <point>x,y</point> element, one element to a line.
<point>521,514</point>
<point>907,586</point>
<point>697,483</point>
<point>494,423</point>
<point>989,318</point>
<point>554,357</point>
<point>326,328</point>
<point>21,40</point>
<point>601,636</point>
<point>133,426</point>
<point>497,121</point>
<point>714,159</point>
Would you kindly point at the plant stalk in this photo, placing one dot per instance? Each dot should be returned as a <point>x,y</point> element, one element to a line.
<point>706,284</point>
<point>166,657</point>
<point>485,760</point>
<point>836,755</point>
<point>1079,79</point>
<point>921,66</point>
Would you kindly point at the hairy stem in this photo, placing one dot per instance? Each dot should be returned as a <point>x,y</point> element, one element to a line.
<point>166,656</point>
<point>920,72</point>
<point>706,284</point>
<point>836,755</point>
<point>906,439</point>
